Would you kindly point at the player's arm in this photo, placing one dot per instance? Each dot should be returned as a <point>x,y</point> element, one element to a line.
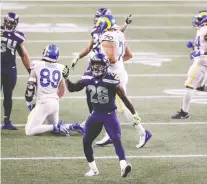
<point>128,54</point>
<point>128,20</point>
<point>121,93</point>
<point>24,56</point>
<point>110,50</point>
<point>61,88</point>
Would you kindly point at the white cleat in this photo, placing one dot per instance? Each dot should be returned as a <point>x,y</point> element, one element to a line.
<point>126,170</point>
<point>105,141</point>
<point>144,139</point>
<point>92,172</point>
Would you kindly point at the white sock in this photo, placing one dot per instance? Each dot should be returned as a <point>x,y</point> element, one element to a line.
<point>128,115</point>
<point>92,165</point>
<point>140,129</point>
<point>187,98</point>
<point>123,163</point>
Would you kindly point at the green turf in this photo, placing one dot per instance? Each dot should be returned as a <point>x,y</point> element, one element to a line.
<point>167,139</point>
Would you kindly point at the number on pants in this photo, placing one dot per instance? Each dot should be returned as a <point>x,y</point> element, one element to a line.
<point>98,94</point>
<point>46,78</point>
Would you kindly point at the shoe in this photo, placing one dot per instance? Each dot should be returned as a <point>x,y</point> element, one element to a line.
<point>62,129</point>
<point>76,127</point>
<point>143,139</point>
<point>126,170</point>
<point>105,141</point>
<point>92,172</point>
<point>181,115</point>
<point>8,125</point>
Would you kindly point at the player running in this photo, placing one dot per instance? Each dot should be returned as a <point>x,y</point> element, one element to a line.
<point>114,46</point>
<point>12,40</point>
<point>197,73</point>
<point>103,87</point>
<point>47,82</point>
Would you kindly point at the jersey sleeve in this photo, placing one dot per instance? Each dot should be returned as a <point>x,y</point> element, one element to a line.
<point>20,36</point>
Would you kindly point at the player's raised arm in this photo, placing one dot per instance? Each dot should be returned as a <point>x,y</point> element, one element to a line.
<point>128,20</point>
<point>24,56</point>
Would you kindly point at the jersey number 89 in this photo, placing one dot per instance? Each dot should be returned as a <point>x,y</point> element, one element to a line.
<point>48,77</point>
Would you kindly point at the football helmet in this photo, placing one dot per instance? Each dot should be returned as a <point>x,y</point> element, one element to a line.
<point>99,65</point>
<point>197,20</point>
<point>11,21</point>
<point>101,12</point>
<point>51,53</point>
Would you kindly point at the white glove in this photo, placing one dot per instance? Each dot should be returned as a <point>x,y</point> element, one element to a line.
<point>136,119</point>
<point>74,62</point>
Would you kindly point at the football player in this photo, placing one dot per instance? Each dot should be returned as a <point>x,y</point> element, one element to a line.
<point>12,40</point>
<point>47,82</point>
<point>103,87</point>
<point>114,46</point>
<point>197,73</point>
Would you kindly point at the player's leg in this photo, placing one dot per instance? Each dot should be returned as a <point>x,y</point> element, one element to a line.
<point>93,128</point>
<point>195,76</point>
<point>112,127</point>
<point>8,80</point>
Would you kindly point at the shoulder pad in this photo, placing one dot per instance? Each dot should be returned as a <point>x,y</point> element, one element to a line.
<point>112,78</point>
<point>108,36</point>
<point>87,75</point>
<point>20,35</point>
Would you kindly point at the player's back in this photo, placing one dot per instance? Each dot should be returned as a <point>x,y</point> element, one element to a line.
<point>49,76</point>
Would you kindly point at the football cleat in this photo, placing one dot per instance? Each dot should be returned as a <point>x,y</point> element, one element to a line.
<point>105,141</point>
<point>92,172</point>
<point>8,125</point>
<point>62,129</point>
<point>126,170</point>
<point>180,115</point>
<point>76,127</point>
<point>144,139</point>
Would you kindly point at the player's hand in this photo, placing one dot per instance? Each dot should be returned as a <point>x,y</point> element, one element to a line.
<point>136,119</point>
<point>30,106</point>
<point>74,62</point>
<point>66,72</point>
<point>194,54</point>
<point>189,44</point>
<point>128,20</point>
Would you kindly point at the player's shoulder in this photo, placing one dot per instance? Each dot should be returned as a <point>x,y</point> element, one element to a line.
<point>203,30</point>
<point>111,78</point>
<point>20,35</point>
<point>109,36</point>
<point>87,75</point>
<point>93,30</point>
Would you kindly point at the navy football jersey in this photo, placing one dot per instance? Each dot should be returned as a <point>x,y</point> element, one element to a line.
<point>10,41</point>
<point>102,91</point>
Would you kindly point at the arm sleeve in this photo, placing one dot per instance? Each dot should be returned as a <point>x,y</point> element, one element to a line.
<point>72,87</point>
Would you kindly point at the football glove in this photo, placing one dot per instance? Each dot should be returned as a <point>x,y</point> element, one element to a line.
<point>136,119</point>
<point>128,20</point>
<point>30,106</point>
<point>66,72</point>
<point>74,62</point>
<point>195,54</point>
<point>189,44</point>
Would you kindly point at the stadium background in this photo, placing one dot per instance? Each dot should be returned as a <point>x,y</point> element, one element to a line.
<point>157,36</point>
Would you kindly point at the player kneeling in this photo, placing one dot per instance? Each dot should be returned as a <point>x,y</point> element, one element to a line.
<point>103,87</point>
<point>47,82</point>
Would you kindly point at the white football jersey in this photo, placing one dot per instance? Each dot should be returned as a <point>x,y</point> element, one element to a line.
<point>48,77</point>
<point>118,37</point>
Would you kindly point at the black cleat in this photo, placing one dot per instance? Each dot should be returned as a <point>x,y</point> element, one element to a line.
<point>181,115</point>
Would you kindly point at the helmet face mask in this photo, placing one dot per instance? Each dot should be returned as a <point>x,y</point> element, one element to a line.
<point>198,19</point>
<point>11,21</point>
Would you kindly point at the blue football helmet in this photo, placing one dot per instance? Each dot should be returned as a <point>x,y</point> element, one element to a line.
<point>105,23</point>
<point>11,21</point>
<point>101,12</point>
<point>197,20</point>
<point>99,65</point>
<point>51,53</point>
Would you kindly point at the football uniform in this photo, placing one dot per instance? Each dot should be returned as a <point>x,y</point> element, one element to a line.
<point>197,73</point>
<point>48,77</point>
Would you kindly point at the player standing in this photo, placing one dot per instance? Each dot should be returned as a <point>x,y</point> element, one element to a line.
<point>197,73</point>
<point>11,41</point>
<point>103,87</point>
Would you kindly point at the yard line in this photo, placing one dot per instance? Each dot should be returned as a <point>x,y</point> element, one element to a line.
<point>86,41</point>
<point>132,97</point>
<point>104,157</point>
<point>150,123</point>
<point>91,15</point>
<point>129,75</point>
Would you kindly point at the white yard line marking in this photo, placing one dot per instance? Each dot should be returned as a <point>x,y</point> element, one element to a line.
<point>86,41</point>
<point>91,15</point>
<point>149,123</point>
<point>104,157</point>
<point>132,97</point>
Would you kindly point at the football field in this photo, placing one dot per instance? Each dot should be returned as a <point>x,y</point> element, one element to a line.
<point>177,151</point>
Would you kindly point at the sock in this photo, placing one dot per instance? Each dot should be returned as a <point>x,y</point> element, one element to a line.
<point>122,163</point>
<point>6,119</point>
<point>128,115</point>
<point>88,151</point>
<point>119,149</point>
<point>140,129</point>
<point>92,165</point>
<point>187,98</point>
